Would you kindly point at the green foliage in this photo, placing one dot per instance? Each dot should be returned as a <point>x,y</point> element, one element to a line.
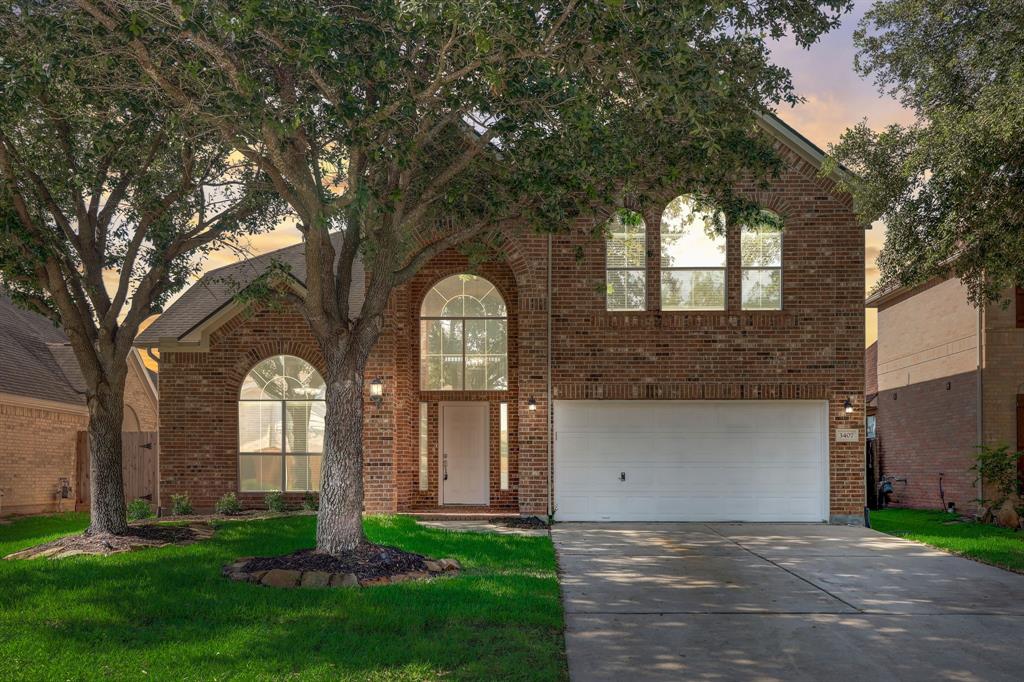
<point>139,509</point>
<point>311,501</point>
<point>228,505</point>
<point>177,617</point>
<point>274,501</point>
<point>983,542</point>
<point>947,187</point>
<point>996,469</point>
<point>181,505</point>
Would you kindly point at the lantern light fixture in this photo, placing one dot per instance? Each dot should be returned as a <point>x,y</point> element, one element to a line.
<point>848,406</point>
<point>377,391</point>
<point>532,404</point>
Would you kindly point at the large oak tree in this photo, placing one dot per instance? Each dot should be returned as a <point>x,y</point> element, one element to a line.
<point>107,202</point>
<point>949,186</point>
<point>418,125</point>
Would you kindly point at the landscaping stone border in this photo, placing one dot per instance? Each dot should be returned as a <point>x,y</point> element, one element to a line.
<point>279,577</point>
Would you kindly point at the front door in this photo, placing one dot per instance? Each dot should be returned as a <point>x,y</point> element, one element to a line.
<point>464,453</point>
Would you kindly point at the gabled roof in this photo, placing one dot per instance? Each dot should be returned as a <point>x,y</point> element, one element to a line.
<point>215,291</point>
<point>36,360</point>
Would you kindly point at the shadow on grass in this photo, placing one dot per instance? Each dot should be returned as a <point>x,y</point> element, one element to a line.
<point>170,613</point>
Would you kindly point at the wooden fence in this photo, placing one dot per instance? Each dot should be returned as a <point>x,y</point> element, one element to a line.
<point>140,454</point>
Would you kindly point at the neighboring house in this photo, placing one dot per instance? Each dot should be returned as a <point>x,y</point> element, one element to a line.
<point>950,376</point>
<point>42,409</point>
<point>661,375</point>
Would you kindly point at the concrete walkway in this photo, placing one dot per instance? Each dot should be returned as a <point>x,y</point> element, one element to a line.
<point>781,602</point>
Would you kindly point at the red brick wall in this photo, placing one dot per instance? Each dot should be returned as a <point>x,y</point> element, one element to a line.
<point>929,428</point>
<point>812,349</point>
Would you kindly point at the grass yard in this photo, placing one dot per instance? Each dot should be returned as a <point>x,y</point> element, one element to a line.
<point>991,544</point>
<point>167,614</point>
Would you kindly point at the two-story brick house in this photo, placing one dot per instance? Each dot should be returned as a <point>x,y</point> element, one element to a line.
<point>950,378</point>
<point>663,374</point>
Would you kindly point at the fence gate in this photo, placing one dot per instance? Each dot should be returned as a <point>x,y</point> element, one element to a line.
<point>140,451</point>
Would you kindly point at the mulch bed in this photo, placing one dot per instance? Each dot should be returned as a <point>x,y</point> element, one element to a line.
<point>104,544</point>
<point>528,522</point>
<point>368,564</point>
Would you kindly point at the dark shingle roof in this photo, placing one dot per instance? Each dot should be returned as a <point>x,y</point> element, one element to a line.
<point>216,288</point>
<point>36,359</point>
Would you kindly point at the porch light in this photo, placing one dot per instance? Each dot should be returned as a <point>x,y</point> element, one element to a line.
<point>848,406</point>
<point>532,404</point>
<point>377,391</point>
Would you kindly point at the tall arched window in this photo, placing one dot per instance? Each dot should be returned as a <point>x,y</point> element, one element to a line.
<point>626,261</point>
<point>692,258</point>
<point>281,426</point>
<point>463,336</point>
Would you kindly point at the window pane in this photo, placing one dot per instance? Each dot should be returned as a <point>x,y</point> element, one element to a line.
<point>497,337</point>
<point>503,445</point>
<point>259,473</point>
<point>476,373</point>
<point>762,289</point>
<point>463,296</point>
<point>302,472</point>
<point>497,372</point>
<point>304,430</point>
<point>693,290</point>
<point>688,239</point>
<point>424,446</point>
<point>627,289</point>
<point>476,337</point>
<point>627,241</point>
<point>761,247</point>
<point>451,379</point>
<point>259,426</point>
<point>440,347</point>
<point>283,377</point>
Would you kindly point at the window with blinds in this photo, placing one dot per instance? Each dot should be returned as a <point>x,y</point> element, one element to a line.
<point>693,256</point>
<point>626,261</point>
<point>281,412</point>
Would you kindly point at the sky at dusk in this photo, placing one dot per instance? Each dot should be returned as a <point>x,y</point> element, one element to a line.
<point>835,99</point>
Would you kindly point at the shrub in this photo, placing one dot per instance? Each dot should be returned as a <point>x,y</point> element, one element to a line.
<point>311,501</point>
<point>996,468</point>
<point>228,505</point>
<point>275,501</point>
<point>139,509</point>
<point>180,505</point>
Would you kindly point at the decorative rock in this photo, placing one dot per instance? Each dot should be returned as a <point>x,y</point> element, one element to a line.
<point>281,578</point>
<point>316,579</point>
<point>434,566</point>
<point>256,576</point>
<point>344,580</point>
<point>239,576</point>
<point>449,564</point>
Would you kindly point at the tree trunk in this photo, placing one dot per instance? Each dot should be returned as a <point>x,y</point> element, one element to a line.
<point>339,525</point>
<point>107,506</point>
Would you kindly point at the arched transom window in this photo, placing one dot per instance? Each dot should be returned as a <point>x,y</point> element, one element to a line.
<point>463,336</point>
<point>281,426</point>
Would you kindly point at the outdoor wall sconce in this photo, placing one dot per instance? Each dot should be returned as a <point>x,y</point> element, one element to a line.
<point>531,404</point>
<point>377,392</point>
<point>848,406</point>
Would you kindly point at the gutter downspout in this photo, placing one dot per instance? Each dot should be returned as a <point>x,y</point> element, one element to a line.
<point>550,406</point>
<point>980,407</point>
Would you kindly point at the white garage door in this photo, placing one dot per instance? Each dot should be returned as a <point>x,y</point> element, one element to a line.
<point>691,460</point>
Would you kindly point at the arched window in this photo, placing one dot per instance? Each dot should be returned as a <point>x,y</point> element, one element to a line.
<point>281,426</point>
<point>626,261</point>
<point>463,336</point>
<point>761,256</point>
<point>692,258</point>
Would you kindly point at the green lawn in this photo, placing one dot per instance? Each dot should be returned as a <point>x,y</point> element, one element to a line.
<point>167,614</point>
<point>991,544</point>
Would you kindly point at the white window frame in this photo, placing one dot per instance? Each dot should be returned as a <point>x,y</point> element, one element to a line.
<point>642,270</point>
<point>778,268</point>
<point>724,269</point>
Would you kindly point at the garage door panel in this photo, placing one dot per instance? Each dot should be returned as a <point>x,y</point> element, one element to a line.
<point>688,460</point>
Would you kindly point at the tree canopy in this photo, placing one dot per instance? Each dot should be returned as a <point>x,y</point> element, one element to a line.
<point>948,187</point>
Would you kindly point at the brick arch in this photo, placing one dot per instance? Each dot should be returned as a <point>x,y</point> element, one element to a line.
<point>268,349</point>
<point>772,201</point>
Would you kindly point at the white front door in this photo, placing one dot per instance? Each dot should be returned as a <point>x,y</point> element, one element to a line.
<point>763,460</point>
<point>463,451</point>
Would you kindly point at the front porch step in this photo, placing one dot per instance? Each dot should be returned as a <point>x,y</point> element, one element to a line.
<point>457,516</point>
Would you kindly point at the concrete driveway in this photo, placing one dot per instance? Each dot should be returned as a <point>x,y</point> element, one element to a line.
<point>674,601</point>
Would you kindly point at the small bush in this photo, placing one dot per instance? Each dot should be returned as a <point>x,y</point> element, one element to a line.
<point>996,468</point>
<point>180,505</point>
<point>139,509</point>
<point>275,501</point>
<point>311,501</point>
<point>228,505</point>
